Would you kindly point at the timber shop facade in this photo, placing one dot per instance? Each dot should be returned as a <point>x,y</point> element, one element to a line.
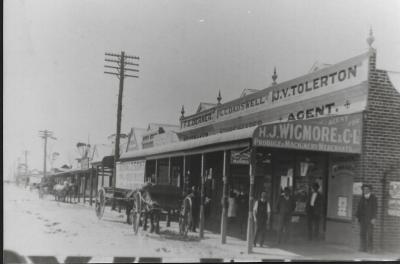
<point>338,126</point>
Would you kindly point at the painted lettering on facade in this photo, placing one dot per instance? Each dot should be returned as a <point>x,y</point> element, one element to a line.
<point>199,119</point>
<point>316,83</point>
<point>331,134</point>
<point>242,106</point>
<point>312,112</point>
<point>311,90</point>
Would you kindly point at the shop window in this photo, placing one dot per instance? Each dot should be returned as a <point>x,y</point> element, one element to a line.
<point>311,169</point>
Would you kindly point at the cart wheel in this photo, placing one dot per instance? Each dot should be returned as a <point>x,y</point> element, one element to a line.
<point>100,203</point>
<point>136,212</point>
<point>185,218</point>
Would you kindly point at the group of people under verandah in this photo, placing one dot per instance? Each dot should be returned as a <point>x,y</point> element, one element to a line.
<point>366,215</point>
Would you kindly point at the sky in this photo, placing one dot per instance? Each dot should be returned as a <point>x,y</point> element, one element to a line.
<point>189,50</point>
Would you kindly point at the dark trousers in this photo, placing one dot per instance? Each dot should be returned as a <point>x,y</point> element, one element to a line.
<point>195,220</point>
<point>283,228</point>
<point>366,232</point>
<point>313,227</point>
<point>261,228</point>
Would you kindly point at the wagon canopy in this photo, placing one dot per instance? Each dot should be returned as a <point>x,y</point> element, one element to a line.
<point>165,196</point>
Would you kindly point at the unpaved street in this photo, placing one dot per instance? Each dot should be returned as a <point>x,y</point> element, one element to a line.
<point>34,227</point>
<point>47,227</point>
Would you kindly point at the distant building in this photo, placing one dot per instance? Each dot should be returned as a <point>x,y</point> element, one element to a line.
<point>159,134</point>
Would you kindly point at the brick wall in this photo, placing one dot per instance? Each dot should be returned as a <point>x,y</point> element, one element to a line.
<point>380,160</point>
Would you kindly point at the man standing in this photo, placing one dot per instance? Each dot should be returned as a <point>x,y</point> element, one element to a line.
<point>366,215</point>
<point>261,213</point>
<point>195,208</point>
<point>314,212</point>
<point>284,209</point>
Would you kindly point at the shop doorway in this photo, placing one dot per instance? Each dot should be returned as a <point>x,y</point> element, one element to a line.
<point>297,171</point>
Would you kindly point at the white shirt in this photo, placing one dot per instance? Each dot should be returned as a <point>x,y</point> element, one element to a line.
<point>313,197</point>
<point>231,207</point>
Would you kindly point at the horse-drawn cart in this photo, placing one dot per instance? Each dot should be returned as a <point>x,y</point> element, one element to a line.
<point>145,201</point>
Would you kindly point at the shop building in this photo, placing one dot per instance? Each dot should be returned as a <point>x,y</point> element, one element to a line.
<point>337,125</point>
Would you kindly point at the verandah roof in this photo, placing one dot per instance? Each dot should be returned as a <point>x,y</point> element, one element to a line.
<point>236,138</point>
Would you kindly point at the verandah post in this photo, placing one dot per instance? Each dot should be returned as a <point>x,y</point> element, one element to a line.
<point>250,221</point>
<point>102,175</point>
<point>91,185</point>
<point>224,217</point>
<point>84,187</point>
<point>78,179</point>
<point>201,228</point>
<point>183,179</point>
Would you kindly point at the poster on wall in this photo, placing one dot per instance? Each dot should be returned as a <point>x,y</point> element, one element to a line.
<point>394,207</point>
<point>342,206</point>
<point>357,188</point>
<point>394,202</point>
<point>394,189</point>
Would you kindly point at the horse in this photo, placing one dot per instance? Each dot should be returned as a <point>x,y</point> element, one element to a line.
<point>71,191</point>
<point>60,191</point>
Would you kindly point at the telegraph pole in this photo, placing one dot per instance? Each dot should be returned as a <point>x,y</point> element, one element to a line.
<point>120,61</point>
<point>45,134</point>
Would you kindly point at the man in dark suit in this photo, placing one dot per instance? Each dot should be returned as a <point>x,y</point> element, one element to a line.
<point>366,215</point>
<point>195,197</point>
<point>314,212</point>
<point>284,209</point>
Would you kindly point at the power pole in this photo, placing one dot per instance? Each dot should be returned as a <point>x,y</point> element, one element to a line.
<point>120,61</point>
<point>45,134</point>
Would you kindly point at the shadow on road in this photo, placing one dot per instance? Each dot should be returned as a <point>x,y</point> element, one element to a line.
<point>174,235</point>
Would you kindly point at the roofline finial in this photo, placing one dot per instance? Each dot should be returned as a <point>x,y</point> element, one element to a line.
<point>274,77</point>
<point>370,38</point>
<point>182,112</point>
<point>219,98</point>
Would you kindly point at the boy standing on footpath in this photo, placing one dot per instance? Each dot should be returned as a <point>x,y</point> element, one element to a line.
<point>261,214</point>
<point>366,215</point>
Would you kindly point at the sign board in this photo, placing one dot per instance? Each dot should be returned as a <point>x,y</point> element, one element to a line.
<point>330,134</point>
<point>337,89</point>
<point>240,157</point>
<point>130,174</point>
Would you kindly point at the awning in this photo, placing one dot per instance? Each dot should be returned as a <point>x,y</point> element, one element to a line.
<point>70,172</point>
<point>223,141</point>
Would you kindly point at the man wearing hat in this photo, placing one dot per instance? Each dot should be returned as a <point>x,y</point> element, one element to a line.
<point>366,215</point>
